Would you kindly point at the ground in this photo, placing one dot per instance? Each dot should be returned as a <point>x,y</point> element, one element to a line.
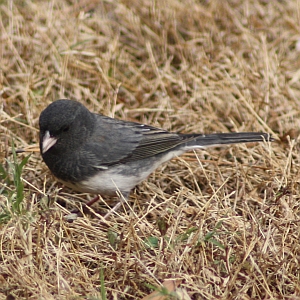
<point>221,223</point>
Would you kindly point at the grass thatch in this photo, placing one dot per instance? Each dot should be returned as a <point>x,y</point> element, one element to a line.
<point>231,215</point>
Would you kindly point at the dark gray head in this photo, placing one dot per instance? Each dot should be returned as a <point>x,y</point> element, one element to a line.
<point>64,125</point>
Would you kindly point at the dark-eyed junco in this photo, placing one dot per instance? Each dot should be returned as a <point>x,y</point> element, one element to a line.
<point>96,154</point>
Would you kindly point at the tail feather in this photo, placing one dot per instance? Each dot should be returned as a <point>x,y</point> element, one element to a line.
<point>228,138</point>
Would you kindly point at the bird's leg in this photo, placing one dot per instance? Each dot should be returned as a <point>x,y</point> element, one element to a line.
<point>123,198</point>
<point>91,202</point>
<point>85,206</point>
<point>75,212</point>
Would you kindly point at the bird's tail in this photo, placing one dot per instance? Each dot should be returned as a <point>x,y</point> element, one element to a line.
<point>215,139</point>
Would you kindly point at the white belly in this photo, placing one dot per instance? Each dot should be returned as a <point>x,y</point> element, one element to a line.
<point>123,177</point>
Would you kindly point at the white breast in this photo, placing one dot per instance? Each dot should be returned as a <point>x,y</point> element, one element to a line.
<point>123,177</point>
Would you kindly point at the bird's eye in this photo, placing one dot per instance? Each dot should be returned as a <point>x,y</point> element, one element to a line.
<point>65,128</point>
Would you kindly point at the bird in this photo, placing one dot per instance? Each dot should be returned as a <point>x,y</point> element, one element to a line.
<point>92,153</point>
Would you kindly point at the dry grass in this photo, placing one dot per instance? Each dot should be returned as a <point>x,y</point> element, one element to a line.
<point>232,214</point>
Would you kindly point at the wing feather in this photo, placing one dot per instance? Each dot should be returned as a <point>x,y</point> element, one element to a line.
<point>118,141</point>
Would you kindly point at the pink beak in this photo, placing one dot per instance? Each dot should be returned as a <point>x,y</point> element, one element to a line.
<point>48,142</point>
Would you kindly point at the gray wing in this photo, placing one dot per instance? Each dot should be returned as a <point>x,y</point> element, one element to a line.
<point>116,141</point>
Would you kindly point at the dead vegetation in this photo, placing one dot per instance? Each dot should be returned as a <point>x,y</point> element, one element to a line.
<point>223,223</point>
